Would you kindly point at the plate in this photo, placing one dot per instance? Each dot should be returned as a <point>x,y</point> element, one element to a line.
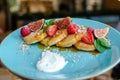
<point>81,65</point>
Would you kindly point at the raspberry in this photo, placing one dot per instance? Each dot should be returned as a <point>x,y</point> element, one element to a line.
<point>25,31</point>
<point>72,28</point>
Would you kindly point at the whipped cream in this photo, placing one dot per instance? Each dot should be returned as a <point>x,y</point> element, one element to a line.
<point>50,62</point>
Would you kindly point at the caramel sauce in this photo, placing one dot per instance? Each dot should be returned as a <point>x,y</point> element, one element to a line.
<point>72,49</point>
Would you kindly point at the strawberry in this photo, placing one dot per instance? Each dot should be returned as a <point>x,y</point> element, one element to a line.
<point>90,29</point>
<point>25,31</point>
<point>51,30</point>
<point>88,38</point>
<point>72,28</point>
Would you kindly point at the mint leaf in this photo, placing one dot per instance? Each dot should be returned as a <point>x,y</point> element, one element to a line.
<point>104,43</point>
<point>49,23</point>
<point>98,46</point>
<point>45,28</point>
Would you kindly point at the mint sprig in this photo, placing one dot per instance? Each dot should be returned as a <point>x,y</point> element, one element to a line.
<point>101,44</point>
<point>49,23</point>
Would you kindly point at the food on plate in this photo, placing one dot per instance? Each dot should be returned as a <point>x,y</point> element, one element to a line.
<point>60,35</point>
<point>36,25</point>
<point>51,30</point>
<point>35,37</point>
<point>101,33</point>
<point>70,40</point>
<point>88,37</point>
<point>84,46</point>
<point>51,62</point>
<point>101,44</point>
<point>25,31</point>
<point>64,33</point>
<point>64,23</point>
<point>72,28</point>
<point>32,32</point>
<point>49,41</point>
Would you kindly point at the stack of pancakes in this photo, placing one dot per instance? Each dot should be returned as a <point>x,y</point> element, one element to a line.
<point>61,38</point>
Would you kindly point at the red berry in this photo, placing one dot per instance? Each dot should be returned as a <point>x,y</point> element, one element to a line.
<point>25,31</point>
<point>52,30</point>
<point>72,28</point>
<point>88,38</point>
<point>90,29</point>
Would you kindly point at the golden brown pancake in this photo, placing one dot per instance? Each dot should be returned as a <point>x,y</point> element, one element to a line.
<point>45,41</point>
<point>70,40</point>
<point>60,35</point>
<point>83,46</point>
<point>35,37</point>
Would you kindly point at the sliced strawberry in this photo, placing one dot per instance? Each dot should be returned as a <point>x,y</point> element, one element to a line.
<point>52,30</point>
<point>25,31</point>
<point>72,28</point>
<point>88,38</point>
<point>36,25</point>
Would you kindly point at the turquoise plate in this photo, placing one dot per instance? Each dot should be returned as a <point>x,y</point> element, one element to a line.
<point>81,65</point>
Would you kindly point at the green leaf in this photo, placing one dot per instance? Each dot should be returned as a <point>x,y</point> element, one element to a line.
<point>45,28</point>
<point>98,46</point>
<point>104,43</point>
<point>49,23</point>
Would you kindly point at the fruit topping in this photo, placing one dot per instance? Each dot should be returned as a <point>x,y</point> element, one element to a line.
<point>101,33</point>
<point>51,30</point>
<point>101,44</point>
<point>88,38</point>
<point>72,28</point>
<point>64,23</point>
<point>36,25</point>
<point>48,24</point>
<point>90,29</point>
<point>25,31</point>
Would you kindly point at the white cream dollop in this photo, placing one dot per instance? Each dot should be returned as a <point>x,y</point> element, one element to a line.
<point>50,62</point>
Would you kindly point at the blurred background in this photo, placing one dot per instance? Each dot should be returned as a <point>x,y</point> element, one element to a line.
<point>16,13</point>
<point>13,13</point>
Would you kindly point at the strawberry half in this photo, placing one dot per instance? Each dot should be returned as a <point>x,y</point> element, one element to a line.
<point>25,31</point>
<point>51,30</point>
<point>72,28</point>
<point>88,38</point>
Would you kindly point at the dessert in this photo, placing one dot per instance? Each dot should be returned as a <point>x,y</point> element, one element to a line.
<point>64,33</point>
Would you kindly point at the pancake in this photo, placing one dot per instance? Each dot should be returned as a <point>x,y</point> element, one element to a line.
<point>45,41</point>
<point>35,37</point>
<point>70,40</point>
<point>83,46</point>
<point>60,35</point>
